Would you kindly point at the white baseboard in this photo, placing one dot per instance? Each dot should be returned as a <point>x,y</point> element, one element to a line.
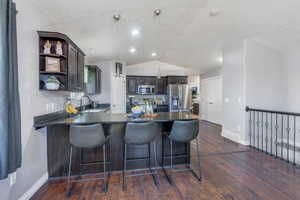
<point>233,136</point>
<point>35,187</point>
<point>243,142</point>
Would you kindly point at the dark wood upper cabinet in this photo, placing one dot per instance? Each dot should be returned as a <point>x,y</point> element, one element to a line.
<point>161,86</point>
<point>145,80</point>
<point>70,72</point>
<point>132,84</point>
<point>149,80</point>
<point>177,80</point>
<point>80,71</point>
<point>73,69</point>
<point>92,82</point>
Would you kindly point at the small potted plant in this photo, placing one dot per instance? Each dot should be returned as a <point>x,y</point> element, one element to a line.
<point>52,83</point>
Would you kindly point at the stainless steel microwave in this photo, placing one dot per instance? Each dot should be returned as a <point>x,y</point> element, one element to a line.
<point>146,89</point>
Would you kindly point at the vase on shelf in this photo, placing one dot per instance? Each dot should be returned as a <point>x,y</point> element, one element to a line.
<point>47,47</point>
<point>59,50</point>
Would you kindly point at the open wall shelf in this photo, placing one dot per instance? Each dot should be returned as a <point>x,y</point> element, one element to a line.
<point>53,55</point>
<point>68,67</point>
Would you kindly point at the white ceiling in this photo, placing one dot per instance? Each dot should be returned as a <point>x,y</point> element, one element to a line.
<point>184,34</point>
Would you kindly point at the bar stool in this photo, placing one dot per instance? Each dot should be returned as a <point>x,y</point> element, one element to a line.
<point>139,133</point>
<point>85,137</point>
<point>184,132</point>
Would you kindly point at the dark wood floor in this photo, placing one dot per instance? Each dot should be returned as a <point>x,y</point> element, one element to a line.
<point>230,171</point>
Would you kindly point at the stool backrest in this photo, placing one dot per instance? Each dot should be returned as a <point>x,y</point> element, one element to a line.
<point>140,133</point>
<point>87,136</point>
<point>184,131</point>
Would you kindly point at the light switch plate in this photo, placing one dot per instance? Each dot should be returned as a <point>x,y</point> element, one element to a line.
<point>238,128</point>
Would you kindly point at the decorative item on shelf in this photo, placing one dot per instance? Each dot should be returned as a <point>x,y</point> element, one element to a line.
<point>47,47</point>
<point>52,83</point>
<point>52,64</point>
<point>58,49</point>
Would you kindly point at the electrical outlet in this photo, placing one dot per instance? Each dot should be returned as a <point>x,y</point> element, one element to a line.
<point>12,178</point>
<point>48,107</point>
<point>52,107</point>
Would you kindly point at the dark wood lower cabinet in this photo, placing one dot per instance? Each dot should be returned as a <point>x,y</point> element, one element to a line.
<point>58,148</point>
<point>196,108</point>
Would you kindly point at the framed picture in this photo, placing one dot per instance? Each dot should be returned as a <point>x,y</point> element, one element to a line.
<point>118,69</point>
<point>52,64</point>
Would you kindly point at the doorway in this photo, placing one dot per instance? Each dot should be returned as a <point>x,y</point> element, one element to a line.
<point>212,99</point>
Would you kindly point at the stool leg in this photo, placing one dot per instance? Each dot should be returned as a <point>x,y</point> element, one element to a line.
<point>162,152</point>
<point>155,156</point>
<point>81,158</point>
<point>199,163</point>
<point>104,168</point>
<point>149,164</point>
<point>108,156</point>
<point>171,147</point>
<point>124,163</point>
<point>69,172</point>
<point>162,161</point>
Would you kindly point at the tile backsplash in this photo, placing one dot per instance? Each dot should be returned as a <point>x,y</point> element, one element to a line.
<point>140,99</point>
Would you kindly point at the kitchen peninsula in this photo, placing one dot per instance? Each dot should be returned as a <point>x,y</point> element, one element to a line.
<point>114,126</point>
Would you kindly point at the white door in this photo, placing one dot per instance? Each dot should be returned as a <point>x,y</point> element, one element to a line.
<point>118,94</point>
<point>211,95</point>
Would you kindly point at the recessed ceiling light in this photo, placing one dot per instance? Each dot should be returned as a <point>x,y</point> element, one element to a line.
<point>135,32</point>
<point>117,17</point>
<point>220,59</point>
<point>132,50</point>
<point>153,54</point>
<point>157,12</point>
<point>214,12</point>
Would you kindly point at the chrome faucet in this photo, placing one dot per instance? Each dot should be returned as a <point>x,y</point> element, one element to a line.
<point>82,107</point>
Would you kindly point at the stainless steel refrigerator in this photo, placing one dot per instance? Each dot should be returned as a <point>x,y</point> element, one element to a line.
<point>179,98</point>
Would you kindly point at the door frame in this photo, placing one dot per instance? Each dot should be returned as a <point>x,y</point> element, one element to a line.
<point>201,89</point>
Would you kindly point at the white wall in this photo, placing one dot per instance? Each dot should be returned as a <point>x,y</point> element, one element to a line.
<point>33,102</point>
<point>104,96</point>
<point>194,81</point>
<point>233,91</point>
<point>108,82</point>
<point>292,83</point>
<point>212,73</point>
<point>291,65</point>
<point>253,76</point>
<point>152,69</point>
<point>265,81</point>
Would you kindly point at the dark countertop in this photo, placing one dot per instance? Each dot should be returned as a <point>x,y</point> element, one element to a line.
<point>102,117</point>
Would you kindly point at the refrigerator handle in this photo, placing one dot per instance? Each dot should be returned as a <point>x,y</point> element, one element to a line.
<point>180,96</point>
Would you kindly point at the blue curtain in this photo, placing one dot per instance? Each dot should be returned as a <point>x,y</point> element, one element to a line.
<point>10,116</point>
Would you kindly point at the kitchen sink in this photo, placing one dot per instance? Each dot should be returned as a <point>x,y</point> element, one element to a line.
<point>94,110</point>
